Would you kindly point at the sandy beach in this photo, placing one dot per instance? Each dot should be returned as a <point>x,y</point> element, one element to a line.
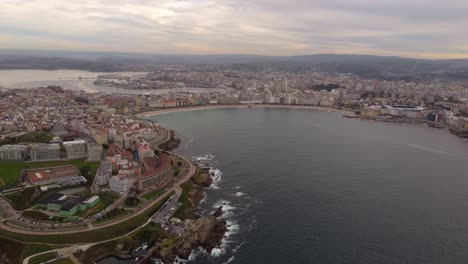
<point>211,107</point>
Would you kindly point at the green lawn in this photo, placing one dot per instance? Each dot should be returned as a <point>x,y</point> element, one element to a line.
<point>186,210</point>
<point>32,249</point>
<point>35,215</point>
<point>63,261</point>
<point>151,195</point>
<point>43,258</point>
<point>90,236</point>
<point>16,251</point>
<point>10,171</point>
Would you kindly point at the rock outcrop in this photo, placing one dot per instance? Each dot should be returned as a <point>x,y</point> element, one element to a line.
<point>173,142</point>
<point>206,232</point>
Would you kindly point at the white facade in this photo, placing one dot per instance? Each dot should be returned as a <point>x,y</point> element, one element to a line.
<point>94,152</point>
<point>75,149</point>
<point>45,152</point>
<point>13,152</point>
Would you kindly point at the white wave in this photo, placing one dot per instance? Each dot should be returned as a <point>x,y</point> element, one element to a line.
<point>227,208</point>
<point>231,259</point>
<point>206,157</point>
<point>232,228</point>
<point>428,149</point>
<point>239,194</point>
<point>252,224</point>
<point>218,251</point>
<point>216,176</point>
<point>179,260</point>
<point>238,247</point>
<point>237,187</point>
<point>196,252</point>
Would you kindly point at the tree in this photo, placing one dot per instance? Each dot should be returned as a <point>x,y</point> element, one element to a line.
<point>85,171</point>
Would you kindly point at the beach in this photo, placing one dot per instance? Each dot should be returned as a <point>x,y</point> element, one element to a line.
<point>210,107</point>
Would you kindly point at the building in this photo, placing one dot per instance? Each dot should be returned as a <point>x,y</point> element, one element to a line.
<point>75,149</point>
<point>100,136</point>
<point>95,152</point>
<point>404,111</point>
<point>45,152</point>
<point>371,111</point>
<point>67,175</point>
<point>67,205</point>
<point>121,184</point>
<point>157,173</point>
<point>117,151</point>
<point>144,151</point>
<point>14,152</point>
<point>59,130</point>
<point>103,175</point>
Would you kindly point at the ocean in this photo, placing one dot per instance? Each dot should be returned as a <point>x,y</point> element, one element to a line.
<point>308,186</point>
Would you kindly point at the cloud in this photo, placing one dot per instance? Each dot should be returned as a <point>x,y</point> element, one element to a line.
<point>416,28</point>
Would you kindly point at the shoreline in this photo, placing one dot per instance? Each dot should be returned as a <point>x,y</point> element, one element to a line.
<point>246,106</point>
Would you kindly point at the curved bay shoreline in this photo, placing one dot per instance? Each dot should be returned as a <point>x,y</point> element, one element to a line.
<point>246,106</point>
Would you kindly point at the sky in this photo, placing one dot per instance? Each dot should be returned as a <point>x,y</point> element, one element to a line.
<point>409,28</point>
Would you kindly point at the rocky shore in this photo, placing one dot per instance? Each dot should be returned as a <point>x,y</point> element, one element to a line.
<point>206,232</point>
<point>172,143</point>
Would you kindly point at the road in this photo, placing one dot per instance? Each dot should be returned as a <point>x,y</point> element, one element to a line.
<point>85,227</point>
<point>163,216</point>
<point>69,251</point>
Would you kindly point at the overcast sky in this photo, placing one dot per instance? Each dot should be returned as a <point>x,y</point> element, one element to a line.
<point>410,28</point>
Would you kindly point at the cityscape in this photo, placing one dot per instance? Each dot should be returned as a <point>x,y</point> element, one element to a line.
<point>230,131</point>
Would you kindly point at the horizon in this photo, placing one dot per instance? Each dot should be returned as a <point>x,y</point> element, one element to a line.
<point>223,54</point>
<point>410,29</point>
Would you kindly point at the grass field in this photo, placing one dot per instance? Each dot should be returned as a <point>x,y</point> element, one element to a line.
<point>63,261</point>
<point>10,171</point>
<point>151,195</point>
<point>43,258</point>
<point>186,210</point>
<point>90,236</point>
<point>17,251</point>
<point>32,249</point>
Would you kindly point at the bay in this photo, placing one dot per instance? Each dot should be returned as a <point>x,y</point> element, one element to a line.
<point>306,186</point>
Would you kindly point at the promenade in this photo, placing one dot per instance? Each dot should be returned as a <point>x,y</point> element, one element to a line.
<point>243,106</point>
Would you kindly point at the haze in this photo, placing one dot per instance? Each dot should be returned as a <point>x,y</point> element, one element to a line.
<point>410,28</point>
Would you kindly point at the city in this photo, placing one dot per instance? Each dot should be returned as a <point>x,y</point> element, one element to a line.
<point>233,132</point>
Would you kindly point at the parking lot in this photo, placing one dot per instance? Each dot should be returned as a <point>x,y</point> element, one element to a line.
<point>163,217</point>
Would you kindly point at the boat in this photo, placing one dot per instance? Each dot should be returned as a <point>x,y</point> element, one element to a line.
<point>351,116</point>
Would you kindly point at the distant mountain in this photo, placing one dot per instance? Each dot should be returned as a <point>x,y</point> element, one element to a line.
<point>371,66</point>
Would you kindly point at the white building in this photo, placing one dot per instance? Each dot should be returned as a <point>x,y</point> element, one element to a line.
<point>121,184</point>
<point>94,152</point>
<point>45,152</point>
<point>104,173</point>
<point>14,152</point>
<point>75,149</point>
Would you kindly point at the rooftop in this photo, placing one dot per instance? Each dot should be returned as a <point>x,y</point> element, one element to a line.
<point>45,174</point>
<point>164,165</point>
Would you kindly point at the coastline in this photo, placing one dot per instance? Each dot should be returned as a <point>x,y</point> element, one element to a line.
<point>246,106</point>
